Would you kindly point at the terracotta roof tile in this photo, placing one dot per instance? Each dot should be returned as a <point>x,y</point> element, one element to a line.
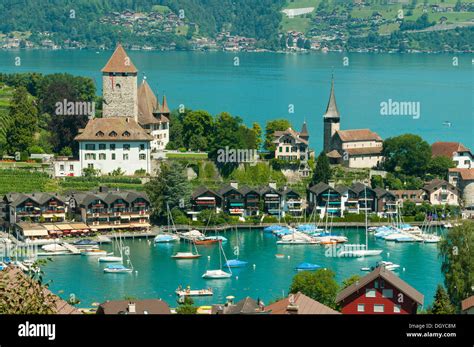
<point>466,304</point>
<point>119,62</point>
<point>304,304</point>
<point>447,149</point>
<point>358,135</point>
<point>113,129</point>
<point>466,174</point>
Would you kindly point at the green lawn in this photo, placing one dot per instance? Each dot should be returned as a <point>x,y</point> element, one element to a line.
<point>185,155</point>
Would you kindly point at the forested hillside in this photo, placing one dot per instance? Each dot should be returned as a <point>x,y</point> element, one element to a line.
<point>79,20</point>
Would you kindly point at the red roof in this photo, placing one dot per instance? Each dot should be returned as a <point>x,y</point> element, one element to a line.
<point>119,62</point>
<point>301,304</point>
<point>466,174</point>
<point>446,149</point>
<point>466,304</point>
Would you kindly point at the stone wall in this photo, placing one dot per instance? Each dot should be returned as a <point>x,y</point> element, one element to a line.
<point>120,96</point>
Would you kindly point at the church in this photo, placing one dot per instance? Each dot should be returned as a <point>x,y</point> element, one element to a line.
<point>133,125</point>
<point>356,148</point>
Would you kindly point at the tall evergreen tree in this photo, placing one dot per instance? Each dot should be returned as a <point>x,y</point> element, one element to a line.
<point>441,304</point>
<point>322,171</point>
<point>171,187</point>
<point>23,112</point>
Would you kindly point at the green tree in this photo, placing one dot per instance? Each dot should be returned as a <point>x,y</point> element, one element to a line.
<point>257,129</point>
<point>23,112</point>
<point>197,130</point>
<point>441,304</point>
<point>170,187</point>
<point>456,250</point>
<point>349,281</point>
<point>319,285</point>
<point>376,181</point>
<point>439,166</point>
<point>408,153</point>
<point>186,306</point>
<point>322,171</point>
<point>270,128</point>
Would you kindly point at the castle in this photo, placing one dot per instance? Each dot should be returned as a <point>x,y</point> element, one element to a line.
<point>133,125</point>
<point>358,148</point>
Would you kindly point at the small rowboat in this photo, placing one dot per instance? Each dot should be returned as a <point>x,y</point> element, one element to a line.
<point>279,256</point>
<point>94,252</point>
<point>206,242</point>
<point>185,255</point>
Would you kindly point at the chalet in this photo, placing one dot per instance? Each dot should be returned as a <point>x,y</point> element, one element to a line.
<point>34,207</point>
<point>252,201</point>
<point>292,203</point>
<point>272,199</point>
<point>323,198</point>
<point>440,192</point>
<point>386,202</point>
<point>293,146</point>
<point>380,292</point>
<point>148,306</point>
<point>463,179</point>
<point>299,304</point>
<point>111,210</point>
<point>233,201</point>
<point>366,196</point>
<point>460,154</point>
<point>204,198</point>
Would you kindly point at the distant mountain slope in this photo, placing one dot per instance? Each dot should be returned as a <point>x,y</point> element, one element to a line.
<point>79,19</point>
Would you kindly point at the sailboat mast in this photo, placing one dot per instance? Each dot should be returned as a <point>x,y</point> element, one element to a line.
<point>366,224</point>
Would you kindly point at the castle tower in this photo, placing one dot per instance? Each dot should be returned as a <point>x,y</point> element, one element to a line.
<point>119,86</point>
<point>304,132</point>
<point>331,120</point>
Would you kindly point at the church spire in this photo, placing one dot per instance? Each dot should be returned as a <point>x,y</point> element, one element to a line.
<point>331,110</point>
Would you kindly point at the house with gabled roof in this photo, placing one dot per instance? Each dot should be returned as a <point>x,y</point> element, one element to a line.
<point>380,292</point>
<point>299,304</point>
<point>464,180</point>
<point>460,154</point>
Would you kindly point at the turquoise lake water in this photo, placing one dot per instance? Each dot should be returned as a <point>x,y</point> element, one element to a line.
<point>159,275</point>
<point>264,86</point>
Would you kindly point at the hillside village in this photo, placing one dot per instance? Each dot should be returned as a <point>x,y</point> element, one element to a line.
<point>305,25</point>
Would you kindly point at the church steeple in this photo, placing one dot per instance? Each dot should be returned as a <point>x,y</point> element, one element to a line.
<point>331,120</point>
<point>331,109</point>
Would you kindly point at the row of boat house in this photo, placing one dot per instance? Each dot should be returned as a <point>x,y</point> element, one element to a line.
<point>42,214</point>
<point>320,199</point>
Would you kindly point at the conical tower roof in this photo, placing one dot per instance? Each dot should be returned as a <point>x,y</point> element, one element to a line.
<point>304,130</point>
<point>331,109</point>
<point>147,103</point>
<point>119,62</point>
<point>164,105</point>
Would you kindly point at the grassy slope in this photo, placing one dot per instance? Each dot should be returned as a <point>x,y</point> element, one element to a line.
<point>5,95</point>
<point>303,24</point>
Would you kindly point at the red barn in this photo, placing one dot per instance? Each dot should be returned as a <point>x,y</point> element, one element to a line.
<point>380,292</point>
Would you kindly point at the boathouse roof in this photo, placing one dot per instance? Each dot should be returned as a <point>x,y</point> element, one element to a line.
<point>358,135</point>
<point>148,306</point>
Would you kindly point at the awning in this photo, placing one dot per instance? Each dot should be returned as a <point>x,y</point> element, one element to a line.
<point>50,227</point>
<point>140,225</point>
<point>35,231</point>
<point>79,226</point>
<point>64,227</point>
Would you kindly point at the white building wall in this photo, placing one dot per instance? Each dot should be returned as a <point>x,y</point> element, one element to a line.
<point>361,162</point>
<point>127,160</point>
<point>161,137</point>
<point>63,168</point>
<point>463,160</point>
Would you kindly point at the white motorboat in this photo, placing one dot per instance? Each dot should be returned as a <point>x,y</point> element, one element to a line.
<point>117,269</point>
<point>110,259</point>
<point>185,255</point>
<point>216,274</point>
<point>54,247</point>
<point>192,235</point>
